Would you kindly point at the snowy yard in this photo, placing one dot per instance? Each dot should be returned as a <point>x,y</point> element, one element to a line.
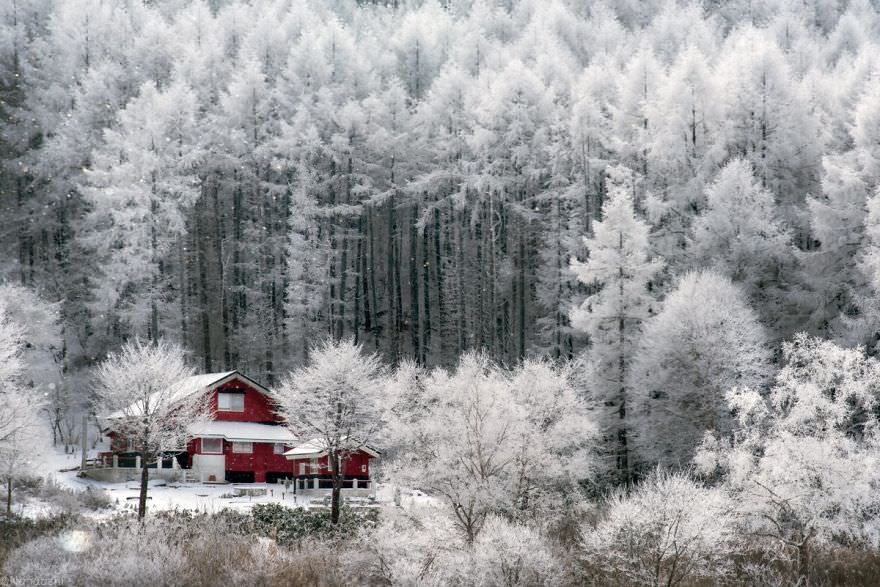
<point>62,470</point>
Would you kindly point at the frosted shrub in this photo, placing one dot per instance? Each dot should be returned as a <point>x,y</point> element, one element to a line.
<point>138,556</point>
<point>130,555</point>
<point>41,560</point>
<point>291,525</point>
<point>417,547</point>
<point>668,530</point>
<point>424,546</point>
<point>513,554</point>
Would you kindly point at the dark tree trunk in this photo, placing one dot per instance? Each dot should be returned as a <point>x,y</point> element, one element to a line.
<point>145,480</point>
<point>426,292</point>
<point>623,455</point>
<point>414,317</point>
<point>203,298</point>
<point>336,497</point>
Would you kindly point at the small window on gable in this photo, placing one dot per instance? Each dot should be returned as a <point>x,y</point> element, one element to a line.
<point>279,448</point>
<point>212,446</point>
<point>230,402</point>
<point>243,447</point>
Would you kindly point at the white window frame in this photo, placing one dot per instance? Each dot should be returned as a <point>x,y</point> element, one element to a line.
<point>278,449</point>
<point>239,447</point>
<point>221,395</point>
<point>204,451</point>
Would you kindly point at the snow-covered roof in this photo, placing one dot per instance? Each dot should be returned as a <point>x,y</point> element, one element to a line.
<point>317,447</point>
<point>242,432</point>
<point>188,386</point>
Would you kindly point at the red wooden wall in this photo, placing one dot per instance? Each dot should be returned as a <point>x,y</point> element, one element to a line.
<point>257,407</point>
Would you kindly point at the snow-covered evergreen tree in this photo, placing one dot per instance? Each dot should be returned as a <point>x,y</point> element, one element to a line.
<point>619,260</point>
<point>739,235</point>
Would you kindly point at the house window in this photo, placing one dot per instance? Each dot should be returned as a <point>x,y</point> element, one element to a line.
<point>129,445</point>
<point>230,402</point>
<point>243,447</point>
<point>313,465</point>
<point>212,446</point>
<point>302,469</point>
<point>279,448</point>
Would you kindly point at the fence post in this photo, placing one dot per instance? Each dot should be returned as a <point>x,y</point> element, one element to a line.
<point>115,461</point>
<point>137,462</point>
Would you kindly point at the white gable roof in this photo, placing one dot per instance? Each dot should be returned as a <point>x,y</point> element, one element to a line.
<point>189,386</point>
<point>316,448</point>
<point>242,432</point>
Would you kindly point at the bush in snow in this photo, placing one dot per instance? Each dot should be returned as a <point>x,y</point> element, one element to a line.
<point>513,554</point>
<point>17,531</point>
<point>126,554</point>
<point>409,547</point>
<point>174,548</point>
<point>666,531</point>
<point>289,525</point>
<point>424,547</point>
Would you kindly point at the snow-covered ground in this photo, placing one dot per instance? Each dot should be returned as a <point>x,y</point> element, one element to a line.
<point>62,470</point>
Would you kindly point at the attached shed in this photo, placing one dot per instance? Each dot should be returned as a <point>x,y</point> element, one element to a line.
<point>312,465</point>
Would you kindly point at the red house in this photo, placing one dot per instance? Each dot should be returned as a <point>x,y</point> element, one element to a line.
<point>245,441</point>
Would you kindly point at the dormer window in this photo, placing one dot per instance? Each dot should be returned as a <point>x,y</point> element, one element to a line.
<point>230,401</point>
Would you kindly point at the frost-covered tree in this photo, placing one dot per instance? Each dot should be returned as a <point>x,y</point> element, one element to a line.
<point>139,190</point>
<point>866,327</point>
<point>620,262</point>
<point>838,224</point>
<point>334,400</point>
<point>739,235</point>
<point>22,431</point>
<point>23,439</point>
<point>43,357</point>
<point>685,119</point>
<point>485,441</point>
<point>142,394</point>
<point>306,266</point>
<point>705,341</point>
<point>801,464</point>
<point>668,530</point>
<point>768,120</point>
